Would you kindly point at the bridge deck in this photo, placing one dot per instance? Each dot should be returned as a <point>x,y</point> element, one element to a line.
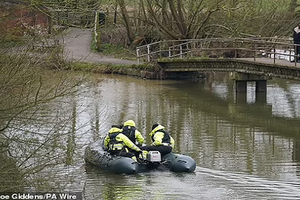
<point>260,66</point>
<point>271,61</point>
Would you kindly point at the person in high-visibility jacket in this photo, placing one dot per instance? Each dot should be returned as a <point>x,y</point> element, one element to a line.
<point>130,130</point>
<point>117,143</point>
<point>162,141</point>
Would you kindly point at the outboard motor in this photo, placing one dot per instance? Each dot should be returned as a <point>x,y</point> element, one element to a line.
<point>153,156</point>
<point>151,160</point>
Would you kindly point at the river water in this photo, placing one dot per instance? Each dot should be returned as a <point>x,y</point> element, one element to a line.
<point>243,150</point>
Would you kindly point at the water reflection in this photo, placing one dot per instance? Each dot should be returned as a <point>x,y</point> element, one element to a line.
<point>203,184</point>
<point>244,150</point>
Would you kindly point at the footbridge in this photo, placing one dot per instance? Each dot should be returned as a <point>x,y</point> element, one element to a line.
<point>246,59</point>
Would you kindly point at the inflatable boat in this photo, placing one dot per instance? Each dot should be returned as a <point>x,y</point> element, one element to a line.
<point>96,155</point>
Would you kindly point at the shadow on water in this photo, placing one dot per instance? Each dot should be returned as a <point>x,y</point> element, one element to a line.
<point>204,183</point>
<point>256,114</point>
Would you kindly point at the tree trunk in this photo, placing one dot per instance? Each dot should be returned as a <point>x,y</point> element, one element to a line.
<point>161,26</point>
<point>126,20</point>
<point>178,16</point>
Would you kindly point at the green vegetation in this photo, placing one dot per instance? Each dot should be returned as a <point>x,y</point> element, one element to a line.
<point>109,68</point>
<point>118,51</point>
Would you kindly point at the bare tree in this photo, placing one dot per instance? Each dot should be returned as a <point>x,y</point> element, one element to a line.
<point>30,81</point>
<point>27,88</point>
<point>126,19</point>
<point>178,19</point>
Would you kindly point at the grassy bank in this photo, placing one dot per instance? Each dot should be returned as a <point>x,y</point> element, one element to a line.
<point>148,70</point>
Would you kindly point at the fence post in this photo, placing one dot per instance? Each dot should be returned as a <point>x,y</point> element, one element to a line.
<point>160,49</point>
<point>138,55</point>
<point>235,49</point>
<point>180,50</point>
<point>148,53</point>
<point>254,51</point>
<point>191,48</point>
<point>274,54</point>
<point>290,56</point>
<point>295,55</point>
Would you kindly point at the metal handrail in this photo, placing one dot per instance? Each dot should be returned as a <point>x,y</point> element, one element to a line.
<point>191,48</point>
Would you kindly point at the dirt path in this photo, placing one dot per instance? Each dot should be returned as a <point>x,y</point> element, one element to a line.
<point>77,44</point>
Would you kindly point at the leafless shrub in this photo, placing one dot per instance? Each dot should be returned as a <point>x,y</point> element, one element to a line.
<point>29,135</point>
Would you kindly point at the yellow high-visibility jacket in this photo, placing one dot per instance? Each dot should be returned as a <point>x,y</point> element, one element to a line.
<point>160,137</point>
<point>136,137</point>
<point>119,142</point>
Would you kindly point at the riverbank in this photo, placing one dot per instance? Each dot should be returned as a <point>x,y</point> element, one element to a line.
<point>146,71</point>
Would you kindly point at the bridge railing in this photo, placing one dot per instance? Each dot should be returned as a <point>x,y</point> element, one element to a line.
<point>275,48</point>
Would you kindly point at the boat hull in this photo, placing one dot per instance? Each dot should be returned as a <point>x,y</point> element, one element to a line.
<point>94,154</point>
<point>179,163</point>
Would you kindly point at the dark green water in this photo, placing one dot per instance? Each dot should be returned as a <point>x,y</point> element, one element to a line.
<point>247,150</point>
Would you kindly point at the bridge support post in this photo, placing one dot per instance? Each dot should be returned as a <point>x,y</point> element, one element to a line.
<point>241,98</point>
<point>261,86</point>
<point>241,86</point>
<point>241,80</point>
<point>261,91</point>
<point>241,91</point>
